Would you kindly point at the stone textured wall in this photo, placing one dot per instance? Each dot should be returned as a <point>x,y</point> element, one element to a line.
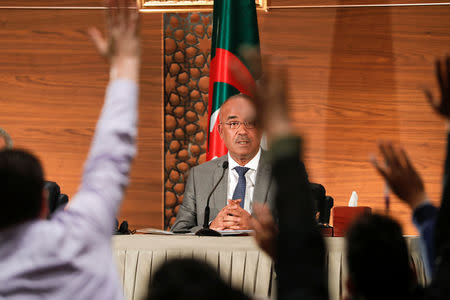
<point>187,54</point>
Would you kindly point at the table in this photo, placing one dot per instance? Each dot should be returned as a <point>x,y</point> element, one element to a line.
<point>238,259</point>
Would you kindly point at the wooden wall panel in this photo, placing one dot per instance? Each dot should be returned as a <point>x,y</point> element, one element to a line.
<point>53,83</point>
<point>356,77</point>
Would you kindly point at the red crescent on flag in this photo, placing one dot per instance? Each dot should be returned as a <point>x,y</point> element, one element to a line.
<point>220,72</point>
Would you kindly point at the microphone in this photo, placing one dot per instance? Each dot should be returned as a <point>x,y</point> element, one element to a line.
<point>206,231</point>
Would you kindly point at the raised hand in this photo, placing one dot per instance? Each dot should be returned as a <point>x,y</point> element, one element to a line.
<point>270,93</point>
<point>443,77</point>
<point>121,46</point>
<point>400,175</point>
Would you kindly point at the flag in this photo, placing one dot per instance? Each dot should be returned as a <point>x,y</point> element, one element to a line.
<point>235,25</point>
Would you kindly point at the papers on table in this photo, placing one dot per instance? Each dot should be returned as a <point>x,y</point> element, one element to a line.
<point>222,232</point>
<point>235,232</point>
<point>154,231</point>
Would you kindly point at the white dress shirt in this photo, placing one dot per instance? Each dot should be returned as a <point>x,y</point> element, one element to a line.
<point>70,256</point>
<point>250,177</point>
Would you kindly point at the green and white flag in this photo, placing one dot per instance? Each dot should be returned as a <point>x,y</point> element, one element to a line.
<point>235,25</point>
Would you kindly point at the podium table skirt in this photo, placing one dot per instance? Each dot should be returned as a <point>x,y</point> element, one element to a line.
<point>238,260</point>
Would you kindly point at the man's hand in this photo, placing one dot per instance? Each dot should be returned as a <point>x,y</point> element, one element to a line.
<point>239,215</point>
<point>232,217</point>
<point>400,175</point>
<point>442,107</point>
<point>219,223</point>
<point>121,47</point>
<point>266,231</point>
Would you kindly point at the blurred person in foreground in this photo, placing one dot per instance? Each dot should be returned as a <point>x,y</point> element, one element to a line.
<point>378,261</point>
<point>401,174</point>
<point>378,257</point>
<point>6,141</point>
<point>377,253</point>
<point>70,256</point>
<point>184,278</point>
<point>296,243</point>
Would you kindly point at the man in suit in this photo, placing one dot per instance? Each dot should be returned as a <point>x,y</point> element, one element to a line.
<point>246,180</point>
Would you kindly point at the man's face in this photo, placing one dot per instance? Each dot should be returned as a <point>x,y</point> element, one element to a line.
<point>242,143</point>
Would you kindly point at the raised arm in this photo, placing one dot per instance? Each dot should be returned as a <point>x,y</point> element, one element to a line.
<point>441,278</point>
<point>406,183</point>
<point>107,167</point>
<point>300,249</point>
<point>442,107</point>
<point>400,174</point>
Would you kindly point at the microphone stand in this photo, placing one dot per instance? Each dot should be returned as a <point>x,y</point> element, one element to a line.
<point>206,231</point>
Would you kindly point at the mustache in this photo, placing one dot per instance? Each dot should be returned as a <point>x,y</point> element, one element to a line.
<point>242,138</point>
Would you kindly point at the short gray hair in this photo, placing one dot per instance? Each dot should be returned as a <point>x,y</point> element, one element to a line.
<point>7,138</point>
<point>235,96</point>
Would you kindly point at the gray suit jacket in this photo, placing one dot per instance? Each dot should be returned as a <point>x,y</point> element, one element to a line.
<point>200,183</point>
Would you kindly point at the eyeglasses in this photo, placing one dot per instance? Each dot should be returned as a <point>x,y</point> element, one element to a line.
<point>237,124</point>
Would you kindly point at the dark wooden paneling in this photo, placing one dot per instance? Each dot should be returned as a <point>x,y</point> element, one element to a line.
<point>356,77</point>
<point>280,3</point>
<point>53,83</point>
<point>187,40</point>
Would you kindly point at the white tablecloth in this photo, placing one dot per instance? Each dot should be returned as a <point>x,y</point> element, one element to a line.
<point>238,260</point>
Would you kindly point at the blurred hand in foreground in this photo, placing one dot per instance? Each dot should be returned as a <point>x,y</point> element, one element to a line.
<point>121,46</point>
<point>270,92</point>
<point>400,174</point>
<point>266,231</point>
<point>442,107</point>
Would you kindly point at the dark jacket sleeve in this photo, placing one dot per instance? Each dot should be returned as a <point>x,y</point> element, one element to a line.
<point>442,233</point>
<point>300,260</point>
<point>424,217</point>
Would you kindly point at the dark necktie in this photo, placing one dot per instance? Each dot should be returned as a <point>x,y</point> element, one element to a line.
<point>239,191</point>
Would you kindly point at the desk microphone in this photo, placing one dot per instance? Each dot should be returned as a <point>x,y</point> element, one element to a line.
<point>206,231</point>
